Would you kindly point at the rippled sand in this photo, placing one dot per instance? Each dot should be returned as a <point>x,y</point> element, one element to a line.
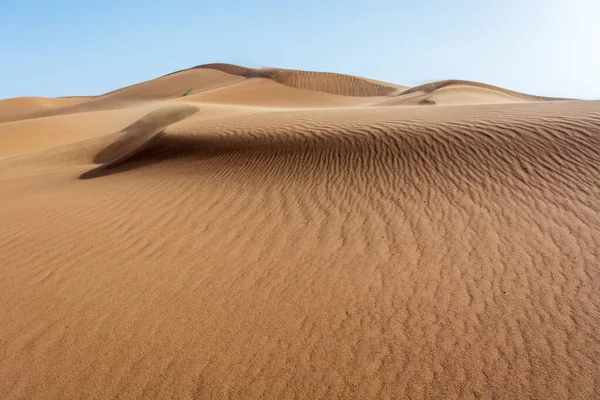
<point>285,234</point>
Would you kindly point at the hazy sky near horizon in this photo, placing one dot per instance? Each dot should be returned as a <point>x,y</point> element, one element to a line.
<point>73,47</point>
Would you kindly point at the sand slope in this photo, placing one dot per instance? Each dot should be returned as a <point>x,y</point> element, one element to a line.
<point>12,109</point>
<point>326,245</point>
<point>453,92</point>
<point>162,88</point>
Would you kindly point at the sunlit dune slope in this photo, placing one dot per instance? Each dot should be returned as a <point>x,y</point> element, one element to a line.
<point>12,108</point>
<point>452,92</point>
<point>327,82</point>
<point>300,235</point>
<point>159,89</point>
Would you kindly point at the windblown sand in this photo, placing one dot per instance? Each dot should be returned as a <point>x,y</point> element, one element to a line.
<point>284,234</point>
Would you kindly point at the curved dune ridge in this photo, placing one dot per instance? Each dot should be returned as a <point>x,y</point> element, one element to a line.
<point>263,92</point>
<point>327,82</point>
<point>319,246</point>
<point>159,89</point>
<point>454,91</point>
<point>139,134</point>
<point>209,77</point>
<point>431,87</point>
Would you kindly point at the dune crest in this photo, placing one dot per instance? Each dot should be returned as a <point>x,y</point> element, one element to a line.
<point>327,82</point>
<point>159,89</point>
<point>286,234</point>
<point>138,134</point>
<point>453,92</point>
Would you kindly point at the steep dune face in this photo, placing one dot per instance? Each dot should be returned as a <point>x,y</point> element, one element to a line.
<point>316,250</point>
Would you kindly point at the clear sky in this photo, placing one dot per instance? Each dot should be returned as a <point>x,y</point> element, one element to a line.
<point>78,47</point>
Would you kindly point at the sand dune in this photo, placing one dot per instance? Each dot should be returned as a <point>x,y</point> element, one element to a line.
<point>11,109</point>
<point>262,92</point>
<point>345,85</point>
<point>160,89</point>
<point>141,134</point>
<point>20,137</point>
<point>452,92</point>
<point>266,239</point>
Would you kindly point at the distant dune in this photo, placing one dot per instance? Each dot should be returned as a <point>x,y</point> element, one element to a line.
<point>344,85</point>
<point>12,108</point>
<point>461,92</point>
<point>227,232</point>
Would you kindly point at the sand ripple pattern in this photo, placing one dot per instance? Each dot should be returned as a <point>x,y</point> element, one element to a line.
<point>375,252</point>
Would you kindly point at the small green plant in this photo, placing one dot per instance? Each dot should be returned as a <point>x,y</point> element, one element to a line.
<point>187,92</point>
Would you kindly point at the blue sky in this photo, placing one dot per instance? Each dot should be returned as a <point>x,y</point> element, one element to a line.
<point>76,47</point>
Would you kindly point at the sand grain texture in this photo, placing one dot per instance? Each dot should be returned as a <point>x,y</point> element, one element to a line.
<point>300,235</point>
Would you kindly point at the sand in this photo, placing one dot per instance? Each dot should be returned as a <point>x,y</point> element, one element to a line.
<point>283,234</point>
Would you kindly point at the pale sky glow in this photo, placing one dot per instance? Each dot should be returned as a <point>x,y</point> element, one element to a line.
<point>74,47</point>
